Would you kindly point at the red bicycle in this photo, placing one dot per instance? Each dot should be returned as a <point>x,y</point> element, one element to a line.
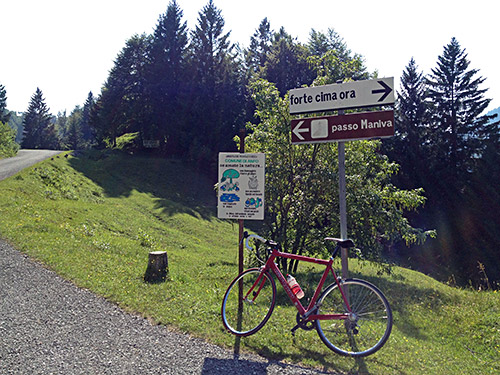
<point>352,317</point>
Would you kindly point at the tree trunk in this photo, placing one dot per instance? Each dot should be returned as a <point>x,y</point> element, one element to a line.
<point>157,270</point>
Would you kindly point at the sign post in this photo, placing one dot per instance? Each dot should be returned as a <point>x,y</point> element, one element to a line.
<point>341,128</point>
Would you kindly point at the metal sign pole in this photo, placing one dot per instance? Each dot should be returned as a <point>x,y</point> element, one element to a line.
<point>241,224</point>
<point>343,207</point>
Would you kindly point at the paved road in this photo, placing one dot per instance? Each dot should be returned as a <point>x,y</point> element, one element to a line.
<point>49,326</point>
<point>23,159</point>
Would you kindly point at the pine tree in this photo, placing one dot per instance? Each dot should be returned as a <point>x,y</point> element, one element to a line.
<point>218,96</point>
<point>287,64</point>
<point>408,147</point>
<point>4,113</point>
<point>74,138</point>
<point>86,130</point>
<point>457,104</point>
<point>260,46</point>
<point>457,184</point>
<point>167,79</point>
<point>123,105</point>
<point>210,46</point>
<point>38,131</point>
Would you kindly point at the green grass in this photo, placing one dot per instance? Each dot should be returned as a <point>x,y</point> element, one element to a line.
<point>94,219</point>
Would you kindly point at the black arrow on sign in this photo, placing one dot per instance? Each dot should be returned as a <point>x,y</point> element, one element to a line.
<point>386,90</point>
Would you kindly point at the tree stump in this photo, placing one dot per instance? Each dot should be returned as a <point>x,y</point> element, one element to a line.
<point>157,270</point>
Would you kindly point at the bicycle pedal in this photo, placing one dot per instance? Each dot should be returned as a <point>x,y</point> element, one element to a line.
<point>294,329</point>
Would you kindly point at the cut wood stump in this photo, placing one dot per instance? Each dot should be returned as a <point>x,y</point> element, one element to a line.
<point>157,270</point>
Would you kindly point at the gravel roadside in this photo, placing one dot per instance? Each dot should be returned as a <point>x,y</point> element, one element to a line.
<point>49,326</point>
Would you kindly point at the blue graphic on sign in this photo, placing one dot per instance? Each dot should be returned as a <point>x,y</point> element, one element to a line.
<point>229,198</point>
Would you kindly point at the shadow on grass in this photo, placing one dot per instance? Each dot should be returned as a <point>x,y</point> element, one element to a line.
<point>176,187</point>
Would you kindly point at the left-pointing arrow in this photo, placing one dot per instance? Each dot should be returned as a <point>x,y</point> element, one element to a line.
<point>386,90</point>
<point>297,130</point>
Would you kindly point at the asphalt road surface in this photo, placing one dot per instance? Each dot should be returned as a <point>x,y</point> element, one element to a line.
<point>23,159</point>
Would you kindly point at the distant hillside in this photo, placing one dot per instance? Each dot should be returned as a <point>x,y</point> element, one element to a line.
<point>495,111</point>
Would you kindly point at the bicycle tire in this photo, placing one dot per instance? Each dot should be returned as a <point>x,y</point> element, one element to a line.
<point>256,310</point>
<point>371,323</point>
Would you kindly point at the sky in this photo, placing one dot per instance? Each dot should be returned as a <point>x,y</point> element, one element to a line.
<point>67,47</point>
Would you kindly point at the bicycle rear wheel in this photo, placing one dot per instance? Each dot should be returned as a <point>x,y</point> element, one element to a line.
<point>368,326</point>
<point>259,297</point>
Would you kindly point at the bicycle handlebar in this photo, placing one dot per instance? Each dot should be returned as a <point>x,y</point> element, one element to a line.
<point>248,236</point>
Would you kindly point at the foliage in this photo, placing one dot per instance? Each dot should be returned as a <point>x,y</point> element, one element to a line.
<point>4,114</point>
<point>16,123</point>
<point>167,81</point>
<point>456,105</point>
<point>287,64</point>
<point>39,130</point>
<point>217,81</point>
<point>8,145</point>
<point>410,146</point>
<point>332,60</point>
<point>123,106</point>
<point>260,46</point>
<point>301,186</point>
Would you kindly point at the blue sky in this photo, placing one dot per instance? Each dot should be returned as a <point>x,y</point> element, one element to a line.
<point>67,47</point>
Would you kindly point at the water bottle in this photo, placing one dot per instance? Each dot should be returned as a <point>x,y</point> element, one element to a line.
<point>294,285</point>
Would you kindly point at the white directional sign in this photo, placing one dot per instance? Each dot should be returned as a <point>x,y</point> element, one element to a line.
<point>357,94</point>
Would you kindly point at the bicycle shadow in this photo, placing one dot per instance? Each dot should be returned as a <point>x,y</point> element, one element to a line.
<point>242,364</point>
<point>238,365</point>
<point>216,366</point>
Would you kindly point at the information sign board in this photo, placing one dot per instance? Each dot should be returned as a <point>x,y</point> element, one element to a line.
<point>241,186</point>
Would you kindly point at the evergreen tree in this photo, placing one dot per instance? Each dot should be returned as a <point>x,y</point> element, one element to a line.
<point>408,147</point>
<point>73,139</point>
<point>39,131</point>
<point>461,203</point>
<point>287,66</point>
<point>260,46</point>
<point>123,105</point>
<point>4,113</point>
<point>167,79</point>
<point>217,101</point>
<point>86,130</point>
<point>457,104</point>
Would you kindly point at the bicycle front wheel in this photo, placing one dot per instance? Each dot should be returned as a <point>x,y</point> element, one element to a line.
<point>248,302</point>
<point>369,323</point>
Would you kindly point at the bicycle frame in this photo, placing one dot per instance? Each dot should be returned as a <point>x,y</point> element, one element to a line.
<point>309,313</point>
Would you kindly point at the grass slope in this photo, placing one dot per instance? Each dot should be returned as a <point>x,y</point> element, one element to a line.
<point>94,219</point>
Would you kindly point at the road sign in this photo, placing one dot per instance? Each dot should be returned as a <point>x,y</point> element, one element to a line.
<point>241,186</point>
<point>356,94</point>
<point>343,128</point>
